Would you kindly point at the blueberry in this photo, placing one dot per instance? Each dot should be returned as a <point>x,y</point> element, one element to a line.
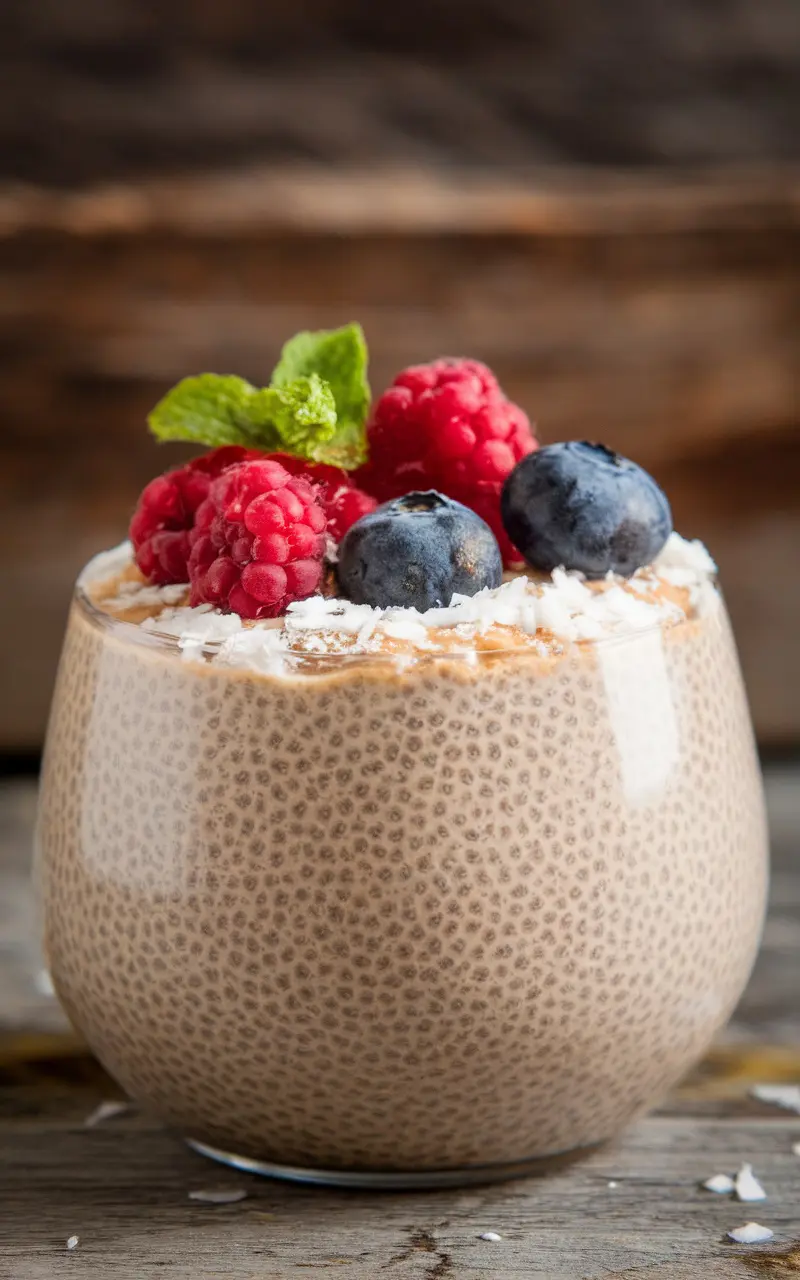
<point>584,507</point>
<point>418,551</point>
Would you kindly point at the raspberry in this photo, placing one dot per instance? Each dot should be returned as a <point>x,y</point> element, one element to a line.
<point>257,542</point>
<point>342,501</point>
<point>165,512</point>
<point>447,426</point>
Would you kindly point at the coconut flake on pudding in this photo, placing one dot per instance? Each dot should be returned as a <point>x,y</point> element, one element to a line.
<point>545,614</point>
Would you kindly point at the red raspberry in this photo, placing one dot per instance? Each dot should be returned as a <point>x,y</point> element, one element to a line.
<point>165,512</point>
<point>447,426</point>
<point>257,542</point>
<point>343,502</point>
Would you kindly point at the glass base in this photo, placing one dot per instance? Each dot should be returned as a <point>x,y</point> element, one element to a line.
<point>400,1180</point>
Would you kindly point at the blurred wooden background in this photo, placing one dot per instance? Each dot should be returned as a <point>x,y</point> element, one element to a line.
<point>602,203</point>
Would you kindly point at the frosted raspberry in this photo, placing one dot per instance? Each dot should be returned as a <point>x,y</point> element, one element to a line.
<point>342,501</point>
<point>447,426</point>
<point>165,512</point>
<point>257,542</point>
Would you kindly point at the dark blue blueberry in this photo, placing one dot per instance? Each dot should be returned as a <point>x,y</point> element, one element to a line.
<point>584,507</point>
<point>418,551</point>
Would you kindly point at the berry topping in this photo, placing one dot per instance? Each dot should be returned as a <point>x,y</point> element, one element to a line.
<point>165,512</point>
<point>343,502</point>
<point>418,551</point>
<point>581,506</point>
<point>257,542</point>
<point>447,426</point>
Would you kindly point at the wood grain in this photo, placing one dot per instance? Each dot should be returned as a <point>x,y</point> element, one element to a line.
<point>123,1190</point>
<point>126,88</point>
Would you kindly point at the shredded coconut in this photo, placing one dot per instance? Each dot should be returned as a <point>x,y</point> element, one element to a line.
<point>405,629</point>
<point>194,627</point>
<point>44,983</point>
<point>781,1095</point>
<point>747,1185</point>
<point>105,1111</point>
<point>564,608</point>
<point>258,648</point>
<point>721,1184</point>
<point>222,1195</point>
<point>682,562</point>
<point>688,565</point>
<point>491,1236</point>
<point>134,594</point>
<point>751,1233</point>
<point>72,1242</point>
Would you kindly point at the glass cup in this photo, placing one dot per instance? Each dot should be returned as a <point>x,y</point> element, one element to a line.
<point>377,922</point>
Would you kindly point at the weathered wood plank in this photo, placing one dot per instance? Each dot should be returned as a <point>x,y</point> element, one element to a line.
<point>556,201</point>
<point>123,1189</point>
<point>123,87</point>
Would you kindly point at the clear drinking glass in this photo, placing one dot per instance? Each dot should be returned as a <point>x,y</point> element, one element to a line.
<point>378,923</point>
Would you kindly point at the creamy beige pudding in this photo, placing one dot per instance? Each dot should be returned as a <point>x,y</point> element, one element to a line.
<point>382,891</point>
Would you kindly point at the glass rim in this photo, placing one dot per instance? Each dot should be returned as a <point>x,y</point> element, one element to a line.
<point>119,556</point>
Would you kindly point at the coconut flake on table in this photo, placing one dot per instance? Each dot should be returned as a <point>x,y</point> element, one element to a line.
<point>72,1242</point>
<point>105,1111</point>
<point>751,1233</point>
<point>747,1185</point>
<point>221,1195</point>
<point>491,1237</point>
<point>780,1095</point>
<point>44,983</point>
<point>721,1184</point>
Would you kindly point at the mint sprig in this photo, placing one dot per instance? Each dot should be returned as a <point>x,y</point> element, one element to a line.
<point>315,408</point>
<point>339,356</point>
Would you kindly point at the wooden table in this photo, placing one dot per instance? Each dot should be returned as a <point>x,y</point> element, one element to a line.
<point>633,1210</point>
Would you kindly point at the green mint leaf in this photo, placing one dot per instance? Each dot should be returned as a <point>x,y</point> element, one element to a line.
<point>214,409</point>
<point>339,357</point>
<point>302,415</point>
<point>211,409</point>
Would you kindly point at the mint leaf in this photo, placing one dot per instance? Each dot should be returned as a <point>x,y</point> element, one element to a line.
<point>315,408</point>
<point>215,409</point>
<point>210,409</point>
<point>301,414</point>
<point>339,357</point>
